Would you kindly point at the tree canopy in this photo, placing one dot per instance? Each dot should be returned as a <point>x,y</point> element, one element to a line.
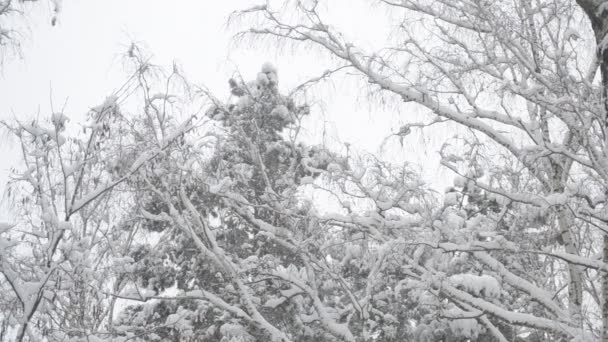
<point>171,215</point>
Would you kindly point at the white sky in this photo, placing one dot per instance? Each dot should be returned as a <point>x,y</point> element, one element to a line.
<point>79,61</point>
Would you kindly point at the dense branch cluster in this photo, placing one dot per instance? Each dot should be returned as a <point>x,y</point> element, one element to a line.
<point>521,76</point>
<point>227,226</point>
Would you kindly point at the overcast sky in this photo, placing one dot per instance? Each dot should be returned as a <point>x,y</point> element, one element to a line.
<point>78,62</point>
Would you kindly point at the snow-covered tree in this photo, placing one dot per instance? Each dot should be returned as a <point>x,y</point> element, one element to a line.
<point>165,221</point>
<point>63,258</point>
<point>148,229</point>
<point>527,210</point>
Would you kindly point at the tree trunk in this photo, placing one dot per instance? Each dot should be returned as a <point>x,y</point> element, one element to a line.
<point>602,55</point>
<point>599,23</point>
<point>605,293</point>
<point>564,226</point>
<point>575,285</point>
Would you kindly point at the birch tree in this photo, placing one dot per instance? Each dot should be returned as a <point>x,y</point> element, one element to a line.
<point>523,77</point>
